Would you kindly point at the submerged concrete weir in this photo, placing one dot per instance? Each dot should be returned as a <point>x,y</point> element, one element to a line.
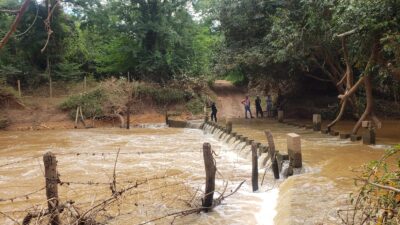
<point>245,146</point>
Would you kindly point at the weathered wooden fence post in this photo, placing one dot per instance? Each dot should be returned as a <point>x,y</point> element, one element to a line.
<point>19,88</point>
<point>229,127</point>
<point>254,172</point>
<point>76,117</point>
<point>272,153</point>
<point>294,149</point>
<point>280,116</point>
<point>128,117</point>
<point>317,122</point>
<point>209,164</point>
<point>84,84</point>
<point>50,173</point>
<point>275,167</point>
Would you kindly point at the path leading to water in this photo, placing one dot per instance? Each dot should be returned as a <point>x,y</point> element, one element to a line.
<point>229,98</point>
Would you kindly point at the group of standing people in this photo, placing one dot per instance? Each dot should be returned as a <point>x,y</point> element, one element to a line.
<point>247,103</point>
<point>259,111</point>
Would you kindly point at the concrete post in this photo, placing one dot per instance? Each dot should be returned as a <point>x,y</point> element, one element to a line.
<point>294,149</point>
<point>317,122</point>
<point>355,137</point>
<point>280,116</point>
<point>368,136</point>
<point>366,124</point>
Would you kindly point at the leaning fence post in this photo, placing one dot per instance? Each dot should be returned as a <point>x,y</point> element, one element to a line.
<point>275,166</point>
<point>50,173</point>
<point>254,172</point>
<point>209,164</point>
<point>76,117</point>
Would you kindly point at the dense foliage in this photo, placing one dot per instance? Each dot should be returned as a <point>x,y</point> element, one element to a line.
<point>284,41</point>
<point>286,46</point>
<point>152,40</point>
<point>344,48</point>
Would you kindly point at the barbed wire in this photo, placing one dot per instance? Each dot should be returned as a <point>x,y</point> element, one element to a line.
<point>96,154</point>
<point>26,196</point>
<point>19,161</point>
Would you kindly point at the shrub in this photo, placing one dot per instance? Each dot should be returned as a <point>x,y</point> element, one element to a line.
<point>7,93</point>
<point>236,77</point>
<point>377,200</point>
<point>3,122</point>
<point>163,96</point>
<point>195,106</point>
<point>91,102</point>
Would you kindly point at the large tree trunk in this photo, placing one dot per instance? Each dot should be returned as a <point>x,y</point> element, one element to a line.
<point>351,89</point>
<point>370,104</point>
<point>369,109</point>
<point>349,78</point>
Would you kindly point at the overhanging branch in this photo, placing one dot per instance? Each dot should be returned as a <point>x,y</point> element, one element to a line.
<point>14,25</point>
<point>347,33</point>
<point>11,11</point>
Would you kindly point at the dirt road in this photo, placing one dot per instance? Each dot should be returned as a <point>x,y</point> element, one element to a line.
<point>229,98</point>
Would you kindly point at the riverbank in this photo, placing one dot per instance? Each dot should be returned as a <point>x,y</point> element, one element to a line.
<point>103,104</point>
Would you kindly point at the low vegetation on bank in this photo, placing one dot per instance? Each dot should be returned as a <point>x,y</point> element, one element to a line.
<point>377,200</point>
<point>114,96</point>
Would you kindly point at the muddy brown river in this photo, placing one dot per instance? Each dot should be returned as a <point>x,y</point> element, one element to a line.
<point>169,165</point>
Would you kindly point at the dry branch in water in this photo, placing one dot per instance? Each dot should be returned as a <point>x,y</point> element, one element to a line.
<point>199,209</point>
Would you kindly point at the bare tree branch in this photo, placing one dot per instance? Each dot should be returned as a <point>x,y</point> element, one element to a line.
<point>317,78</point>
<point>347,33</point>
<point>15,23</point>
<point>384,187</point>
<point>47,24</point>
<point>11,11</point>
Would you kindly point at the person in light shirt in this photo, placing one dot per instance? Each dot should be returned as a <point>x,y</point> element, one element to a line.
<point>246,103</point>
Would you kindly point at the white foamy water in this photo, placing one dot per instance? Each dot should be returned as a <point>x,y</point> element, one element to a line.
<point>89,155</point>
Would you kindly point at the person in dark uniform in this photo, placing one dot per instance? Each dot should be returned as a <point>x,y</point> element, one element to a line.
<point>258,107</point>
<point>213,112</point>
